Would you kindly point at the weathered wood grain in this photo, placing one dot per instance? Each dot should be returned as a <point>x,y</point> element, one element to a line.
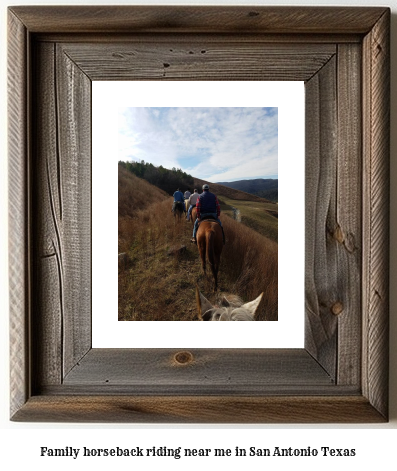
<point>347,225</point>
<point>376,104</point>
<point>199,19</point>
<point>74,136</point>
<point>333,215</point>
<point>338,378</point>
<point>19,223</point>
<point>321,261</point>
<point>199,409</point>
<point>244,37</point>
<point>62,208</point>
<point>196,59</point>
<point>46,206</point>
<point>205,369</point>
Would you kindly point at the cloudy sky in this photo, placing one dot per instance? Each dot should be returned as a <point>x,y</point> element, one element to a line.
<point>214,144</point>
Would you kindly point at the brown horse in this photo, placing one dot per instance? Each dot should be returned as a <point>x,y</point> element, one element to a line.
<point>210,244</point>
<point>193,215</point>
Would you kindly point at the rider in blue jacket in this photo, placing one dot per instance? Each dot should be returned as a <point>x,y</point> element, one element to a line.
<point>178,198</point>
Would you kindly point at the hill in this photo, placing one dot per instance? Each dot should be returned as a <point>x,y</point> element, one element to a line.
<point>253,211</point>
<point>135,193</point>
<point>263,187</point>
<point>262,216</point>
<point>160,268</point>
<point>223,190</point>
<point>134,196</point>
<point>167,180</point>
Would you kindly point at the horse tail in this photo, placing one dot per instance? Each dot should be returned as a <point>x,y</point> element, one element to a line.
<point>211,253</point>
<point>210,247</point>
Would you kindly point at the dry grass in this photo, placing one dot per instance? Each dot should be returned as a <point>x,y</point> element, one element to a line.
<point>259,215</point>
<point>135,193</point>
<point>250,264</point>
<point>158,282</point>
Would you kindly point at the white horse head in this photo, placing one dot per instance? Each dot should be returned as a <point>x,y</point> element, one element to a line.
<point>231,308</point>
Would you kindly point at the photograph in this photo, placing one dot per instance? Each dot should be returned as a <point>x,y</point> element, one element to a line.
<point>198,214</point>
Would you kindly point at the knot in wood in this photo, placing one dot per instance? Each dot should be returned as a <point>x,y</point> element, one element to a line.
<point>183,358</point>
<point>337,308</point>
<point>338,235</point>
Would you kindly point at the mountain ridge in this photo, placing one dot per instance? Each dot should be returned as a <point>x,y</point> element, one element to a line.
<point>233,193</point>
<point>266,188</point>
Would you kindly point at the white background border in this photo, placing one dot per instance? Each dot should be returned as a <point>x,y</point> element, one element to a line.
<point>288,332</point>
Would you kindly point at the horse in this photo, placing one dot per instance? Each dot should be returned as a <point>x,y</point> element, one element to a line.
<point>177,209</point>
<point>231,308</point>
<point>193,215</point>
<point>210,244</point>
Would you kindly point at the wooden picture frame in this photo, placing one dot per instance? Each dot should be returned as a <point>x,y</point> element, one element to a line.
<point>342,54</point>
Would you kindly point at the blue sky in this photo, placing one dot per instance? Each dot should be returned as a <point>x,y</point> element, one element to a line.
<point>214,144</point>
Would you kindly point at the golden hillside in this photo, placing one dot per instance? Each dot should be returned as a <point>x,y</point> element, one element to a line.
<point>136,194</point>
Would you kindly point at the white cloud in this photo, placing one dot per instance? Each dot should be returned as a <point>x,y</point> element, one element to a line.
<point>209,143</point>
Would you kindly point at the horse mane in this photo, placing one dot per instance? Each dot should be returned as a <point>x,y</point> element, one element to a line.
<point>228,299</point>
<point>228,314</point>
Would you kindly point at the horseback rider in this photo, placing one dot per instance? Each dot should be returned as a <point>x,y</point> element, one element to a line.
<point>207,206</point>
<point>178,199</point>
<point>186,196</point>
<point>192,203</point>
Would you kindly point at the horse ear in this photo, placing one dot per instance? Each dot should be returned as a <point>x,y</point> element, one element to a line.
<point>203,305</point>
<point>252,306</point>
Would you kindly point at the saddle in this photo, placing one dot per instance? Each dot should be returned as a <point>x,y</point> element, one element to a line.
<point>208,216</point>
